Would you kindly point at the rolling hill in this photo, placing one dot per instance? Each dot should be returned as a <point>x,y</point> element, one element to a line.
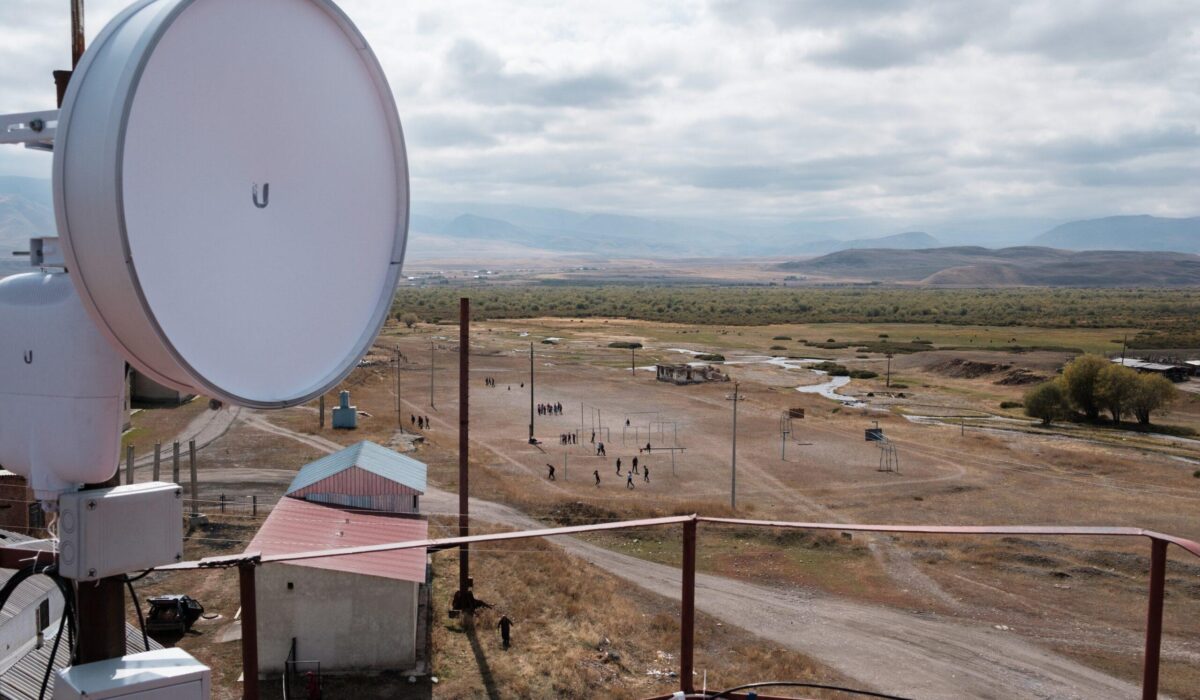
<point>1126,233</point>
<point>969,266</point>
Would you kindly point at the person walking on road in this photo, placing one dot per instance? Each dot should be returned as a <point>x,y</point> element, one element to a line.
<point>628,480</point>
<point>646,473</point>
<point>505,626</point>
<point>550,476</point>
<point>634,470</point>
<point>596,474</point>
<point>618,466</point>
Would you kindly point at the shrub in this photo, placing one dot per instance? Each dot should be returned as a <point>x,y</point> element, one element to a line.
<point>711,357</point>
<point>863,374</point>
<point>1011,404</point>
<point>1196,473</point>
<point>883,335</point>
<point>898,385</point>
<point>1047,401</point>
<point>1080,383</point>
<point>624,345</point>
<point>778,347</point>
<point>1152,392</point>
<point>408,318</point>
<point>830,340</point>
<point>782,337</point>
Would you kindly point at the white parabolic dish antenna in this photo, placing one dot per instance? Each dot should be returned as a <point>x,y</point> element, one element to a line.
<point>231,191</point>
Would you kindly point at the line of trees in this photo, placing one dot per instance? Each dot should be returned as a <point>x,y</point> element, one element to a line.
<point>1091,385</point>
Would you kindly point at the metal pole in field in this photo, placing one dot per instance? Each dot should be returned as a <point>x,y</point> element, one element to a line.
<point>321,410</point>
<point>399,410</point>
<point>195,481</point>
<point>632,361</point>
<point>464,426</point>
<point>889,370</point>
<point>431,372</point>
<point>733,458</point>
<point>129,464</point>
<point>531,440</point>
<point>157,460</point>
<point>175,464</point>
<point>1154,616</point>
<point>687,608</point>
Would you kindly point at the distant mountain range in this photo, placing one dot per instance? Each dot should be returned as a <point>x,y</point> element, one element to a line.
<point>968,266</point>
<point>1126,233</point>
<point>26,210</point>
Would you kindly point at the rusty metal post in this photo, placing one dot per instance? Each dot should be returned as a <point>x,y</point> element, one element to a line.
<point>687,609</point>
<point>76,32</point>
<point>464,433</point>
<point>1154,616</point>
<point>175,463</point>
<point>321,410</point>
<point>129,464</point>
<point>249,632</point>
<point>254,505</point>
<point>157,460</point>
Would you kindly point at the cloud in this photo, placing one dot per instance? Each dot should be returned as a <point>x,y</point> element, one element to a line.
<point>911,111</point>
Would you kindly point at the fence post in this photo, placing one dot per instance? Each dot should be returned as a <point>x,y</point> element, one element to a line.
<point>222,503</point>
<point>687,608</point>
<point>195,484</point>
<point>157,460</point>
<point>254,506</point>
<point>1154,615</point>
<point>249,631</point>
<point>129,464</point>
<point>175,463</point>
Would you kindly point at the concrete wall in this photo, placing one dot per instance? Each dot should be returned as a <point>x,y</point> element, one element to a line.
<point>346,621</point>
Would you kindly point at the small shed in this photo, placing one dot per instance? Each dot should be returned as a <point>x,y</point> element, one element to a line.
<point>688,373</point>
<point>1175,373</point>
<point>364,475</point>
<point>354,613</point>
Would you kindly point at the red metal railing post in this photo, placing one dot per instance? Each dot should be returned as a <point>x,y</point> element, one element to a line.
<point>1154,617</point>
<point>249,631</point>
<point>687,611</point>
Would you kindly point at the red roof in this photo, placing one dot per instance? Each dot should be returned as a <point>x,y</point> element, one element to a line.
<point>300,526</point>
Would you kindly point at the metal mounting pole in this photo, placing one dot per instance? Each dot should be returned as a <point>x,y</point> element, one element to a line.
<point>733,458</point>
<point>249,631</point>
<point>1154,616</point>
<point>399,408</point>
<point>431,373</point>
<point>464,424</point>
<point>175,463</point>
<point>129,464</point>
<point>157,461</point>
<point>195,481</point>
<point>687,609</point>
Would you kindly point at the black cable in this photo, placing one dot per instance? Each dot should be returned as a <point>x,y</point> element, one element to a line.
<point>62,621</point>
<point>798,684</point>
<point>137,605</point>
<point>140,576</point>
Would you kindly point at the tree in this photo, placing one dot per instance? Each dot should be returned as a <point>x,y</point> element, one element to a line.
<point>1047,401</point>
<point>408,318</point>
<point>1115,387</point>
<point>1080,383</point>
<point>1152,392</point>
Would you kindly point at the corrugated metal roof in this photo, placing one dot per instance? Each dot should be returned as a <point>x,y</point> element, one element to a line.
<point>364,455</point>
<point>299,526</point>
<point>1144,364</point>
<point>30,592</point>
<point>24,680</point>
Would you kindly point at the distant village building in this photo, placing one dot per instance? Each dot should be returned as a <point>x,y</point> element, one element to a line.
<point>356,613</point>
<point>144,391</point>
<point>1176,373</point>
<point>18,509</point>
<point>689,374</point>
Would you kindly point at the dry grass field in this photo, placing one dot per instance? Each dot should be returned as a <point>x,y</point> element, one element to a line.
<point>963,460</point>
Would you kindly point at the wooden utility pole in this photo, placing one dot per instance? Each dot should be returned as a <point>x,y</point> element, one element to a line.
<point>129,464</point>
<point>399,407</point>
<point>733,458</point>
<point>431,373</point>
<point>464,427</point>
<point>175,463</point>
<point>157,461</point>
<point>632,361</point>
<point>195,481</point>
<point>889,370</point>
<point>531,438</point>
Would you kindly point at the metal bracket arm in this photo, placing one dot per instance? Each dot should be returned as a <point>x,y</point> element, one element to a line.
<point>34,129</point>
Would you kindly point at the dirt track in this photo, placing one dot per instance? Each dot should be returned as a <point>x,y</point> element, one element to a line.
<point>921,656</point>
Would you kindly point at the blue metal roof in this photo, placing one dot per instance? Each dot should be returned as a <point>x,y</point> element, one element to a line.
<point>368,456</point>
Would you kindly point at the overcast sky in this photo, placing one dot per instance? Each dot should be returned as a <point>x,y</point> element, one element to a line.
<point>894,110</point>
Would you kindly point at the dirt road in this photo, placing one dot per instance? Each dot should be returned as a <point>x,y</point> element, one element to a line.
<point>921,656</point>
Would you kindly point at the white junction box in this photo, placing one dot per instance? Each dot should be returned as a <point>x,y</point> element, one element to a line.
<point>107,532</point>
<point>164,674</point>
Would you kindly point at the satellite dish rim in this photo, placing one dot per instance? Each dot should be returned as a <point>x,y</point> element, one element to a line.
<point>130,79</point>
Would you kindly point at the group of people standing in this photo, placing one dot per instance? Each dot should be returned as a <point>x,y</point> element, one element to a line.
<point>645,473</point>
<point>549,409</point>
<point>568,439</point>
<point>419,422</point>
<point>490,382</point>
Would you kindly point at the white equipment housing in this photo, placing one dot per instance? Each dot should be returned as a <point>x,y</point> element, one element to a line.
<point>107,532</point>
<point>61,387</point>
<point>163,674</point>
